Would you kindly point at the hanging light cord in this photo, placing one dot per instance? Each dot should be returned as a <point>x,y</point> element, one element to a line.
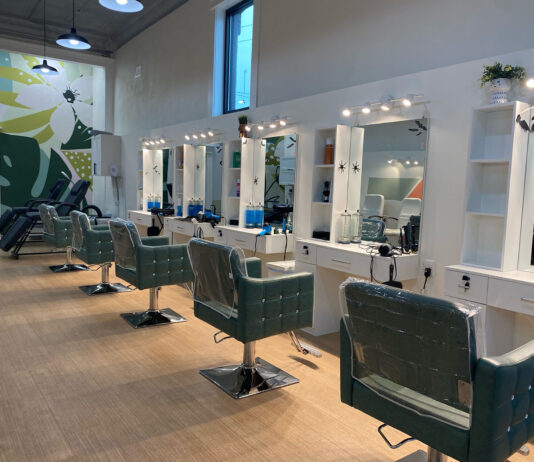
<point>73,25</point>
<point>44,28</point>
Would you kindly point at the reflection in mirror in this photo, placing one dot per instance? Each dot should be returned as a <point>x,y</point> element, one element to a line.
<point>526,246</point>
<point>280,160</point>
<point>392,170</point>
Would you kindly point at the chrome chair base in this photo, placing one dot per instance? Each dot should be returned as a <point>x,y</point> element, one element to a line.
<point>68,267</point>
<point>242,381</point>
<point>150,318</point>
<point>105,288</point>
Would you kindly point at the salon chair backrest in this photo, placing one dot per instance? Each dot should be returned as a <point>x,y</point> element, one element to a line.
<point>75,196</point>
<point>409,207</point>
<point>402,340</point>
<point>55,190</point>
<point>125,242</point>
<point>48,214</point>
<point>373,205</point>
<point>217,269</point>
<point>80,224</point>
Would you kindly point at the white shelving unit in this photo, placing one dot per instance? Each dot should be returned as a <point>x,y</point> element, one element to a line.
<point>251,176</point>
<point>493,202</point>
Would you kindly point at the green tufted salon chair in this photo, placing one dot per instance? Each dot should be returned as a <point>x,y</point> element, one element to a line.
<point>93,245</point>
<point>230,295</point>
<point>417,363</point>
<point>149,263</point>
<point>57,232</point>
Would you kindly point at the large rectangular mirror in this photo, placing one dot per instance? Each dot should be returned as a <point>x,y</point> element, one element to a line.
<point>213,178</point>
<point>280,161</point>
<point>388,176</point>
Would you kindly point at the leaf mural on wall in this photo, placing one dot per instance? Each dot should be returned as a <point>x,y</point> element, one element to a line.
<point>54,114</point>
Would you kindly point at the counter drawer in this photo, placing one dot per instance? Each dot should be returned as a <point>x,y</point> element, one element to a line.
<point>466,286</point>
<point>180,227</point>
<point>244,241</point>
<point>338,260</point>
<point>305,252</point>
<point>513,296</point>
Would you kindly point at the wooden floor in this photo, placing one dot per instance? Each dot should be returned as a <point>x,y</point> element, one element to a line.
<point>78,384</point>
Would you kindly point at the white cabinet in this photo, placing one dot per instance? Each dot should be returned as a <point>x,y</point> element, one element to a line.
<point>513,296</point>
<point>106,155</point>
<point>466,286</point>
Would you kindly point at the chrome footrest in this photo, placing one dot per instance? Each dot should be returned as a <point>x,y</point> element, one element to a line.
<point>242,381</point>
<point>151,318</point>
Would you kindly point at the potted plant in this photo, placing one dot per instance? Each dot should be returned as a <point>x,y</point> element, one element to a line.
<point>500,78</point>
<point>243,120</point>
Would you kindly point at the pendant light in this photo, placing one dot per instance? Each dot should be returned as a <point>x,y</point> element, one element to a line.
<point>123,6</point>
<point>73,40</point>
<point>44,68</point>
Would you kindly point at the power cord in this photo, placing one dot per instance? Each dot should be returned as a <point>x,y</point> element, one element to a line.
<point>427,274</point>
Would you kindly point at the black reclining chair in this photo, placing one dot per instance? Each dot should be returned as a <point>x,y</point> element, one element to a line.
<point>9,216</point>
<point>20,230</point>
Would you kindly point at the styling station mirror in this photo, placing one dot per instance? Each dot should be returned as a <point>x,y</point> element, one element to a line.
<point>280,160</point>
<point>526,249</point>
<point>213,177</point>
<point>385,184</point>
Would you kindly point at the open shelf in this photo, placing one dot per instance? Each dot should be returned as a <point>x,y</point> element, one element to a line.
<point>324,166</point>
<point>488,188</point>
<point>492,133</point>
<point>322,203</point>
<point>490,161</point>
<point>483,239</point>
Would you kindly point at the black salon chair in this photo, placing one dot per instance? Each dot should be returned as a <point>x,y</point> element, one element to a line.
<point>9,216</point>
<point>417,364</point>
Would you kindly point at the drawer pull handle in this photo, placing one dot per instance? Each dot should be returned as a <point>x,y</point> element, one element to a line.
<point>529,300</point>
<point>240,240</point>
<point>341,261</point>
<point>465,286</point>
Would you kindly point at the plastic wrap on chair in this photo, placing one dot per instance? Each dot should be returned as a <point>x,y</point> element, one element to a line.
<point>125,240</point>
<point>80,224</point>
<point>216,268</point>
<point>48,214</point>
<point>415,350</point>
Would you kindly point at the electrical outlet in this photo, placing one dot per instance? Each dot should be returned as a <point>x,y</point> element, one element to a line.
<point>429,264</point>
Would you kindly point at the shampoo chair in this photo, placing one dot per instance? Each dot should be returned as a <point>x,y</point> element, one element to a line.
<point>230,295</point>
<point>417,364</point>
<point>149,263</point>
<point>93,245</point>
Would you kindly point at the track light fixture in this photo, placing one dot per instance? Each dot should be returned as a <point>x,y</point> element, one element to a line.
<point>386,104</point>
<point>204,135</point>
<point>530,83</point>
<point>122,6</point>
<point>45,68</point>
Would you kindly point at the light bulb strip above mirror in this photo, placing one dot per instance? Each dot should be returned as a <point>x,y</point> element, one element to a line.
<point>275,122</point>
<point>208,134</point>
<point>155,143</point>
<point>385,104</point>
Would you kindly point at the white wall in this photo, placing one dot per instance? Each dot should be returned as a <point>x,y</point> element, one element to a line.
<point>452,93</point>
<point>308,47</point>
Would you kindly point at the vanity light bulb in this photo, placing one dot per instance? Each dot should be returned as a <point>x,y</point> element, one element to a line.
<point>530,83</point>
<point>162,140</point>
<point>187,137</point>
<point>366,109</point>
<point>407,162</point>
<point>203,135</point>
<point>272,125</point>
<point>157,142</point>
<point>385,107</point>
<point>390,161</point>
<point>152,143</point>
<point>415,162</point>
<point>247,128</point>
<point>406,102</point>
<point>195,137</point>
<point>346,112</point>
<point>260,127</point>
<point>210,133</point>
<point>282,123</point>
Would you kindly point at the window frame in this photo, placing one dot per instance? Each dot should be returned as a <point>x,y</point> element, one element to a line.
<point>238,8</point>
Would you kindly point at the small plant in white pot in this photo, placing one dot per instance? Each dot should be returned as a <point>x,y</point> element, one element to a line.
<point>499,80</point>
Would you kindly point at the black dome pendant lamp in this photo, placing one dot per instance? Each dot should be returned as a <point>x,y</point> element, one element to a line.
<point>44,68</point>
<point>73,40</point>
<point>122,6</point>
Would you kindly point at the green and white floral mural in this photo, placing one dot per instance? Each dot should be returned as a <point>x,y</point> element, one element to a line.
<point>45,126</point>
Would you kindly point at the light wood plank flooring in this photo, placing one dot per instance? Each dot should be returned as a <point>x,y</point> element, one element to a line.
<point>78,384</point>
